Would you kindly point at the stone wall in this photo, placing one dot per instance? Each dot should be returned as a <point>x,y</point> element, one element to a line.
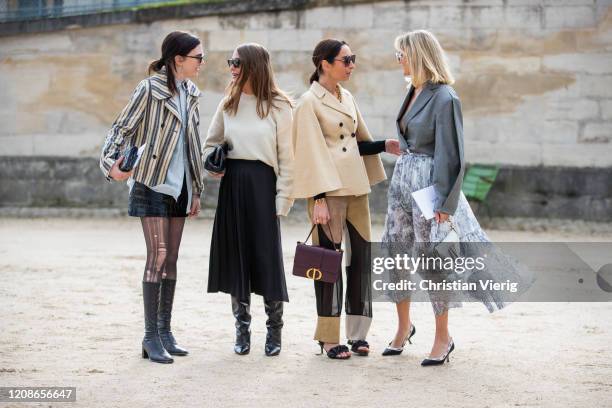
<point>535,77</point>
<point>520,191</point>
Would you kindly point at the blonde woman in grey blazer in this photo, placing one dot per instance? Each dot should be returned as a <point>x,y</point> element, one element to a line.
<point>430,132</point>
<point>165,186</point>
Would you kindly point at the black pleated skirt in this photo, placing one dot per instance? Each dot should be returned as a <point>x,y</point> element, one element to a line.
<point>246,255</point>
<point>144,202</point>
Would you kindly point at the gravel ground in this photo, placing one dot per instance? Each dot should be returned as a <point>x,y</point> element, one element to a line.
<point>71,315</point>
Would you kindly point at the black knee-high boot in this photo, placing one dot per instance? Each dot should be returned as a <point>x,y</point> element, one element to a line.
<point>152,346</point>
<point>164,316</point>
<point>274,310</point>
<point>241,310</point>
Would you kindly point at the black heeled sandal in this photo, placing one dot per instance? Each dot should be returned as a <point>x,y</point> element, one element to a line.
<point>334,352</point>
<point>357,344</point>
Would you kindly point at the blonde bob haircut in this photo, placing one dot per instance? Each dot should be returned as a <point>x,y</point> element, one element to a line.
<point>426,58</point>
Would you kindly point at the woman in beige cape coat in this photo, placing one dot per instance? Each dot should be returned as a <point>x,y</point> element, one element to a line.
<point>336,162</point>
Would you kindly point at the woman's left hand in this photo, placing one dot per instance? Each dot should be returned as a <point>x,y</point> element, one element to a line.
<point>195,206</point>
<point>440,217</point>
<point>393,146</point>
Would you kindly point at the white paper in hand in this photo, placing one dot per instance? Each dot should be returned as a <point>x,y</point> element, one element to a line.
<point>426,200</point>
<point>140,151</point>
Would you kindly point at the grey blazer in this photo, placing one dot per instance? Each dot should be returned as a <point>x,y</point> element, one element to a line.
<point>434,126</point>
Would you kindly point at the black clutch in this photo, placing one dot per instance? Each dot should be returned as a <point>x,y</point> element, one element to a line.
<point>129,159</point>
<point>215,161</point>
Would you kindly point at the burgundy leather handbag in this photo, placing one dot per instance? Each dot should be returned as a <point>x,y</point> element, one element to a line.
<point>317,263</point>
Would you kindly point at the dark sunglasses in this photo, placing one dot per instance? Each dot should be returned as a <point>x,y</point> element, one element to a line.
<point>347,59</point>
<point>234,62</point>
<point>200,58</point>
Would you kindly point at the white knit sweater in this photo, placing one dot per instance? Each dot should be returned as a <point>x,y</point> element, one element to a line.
<point>253,138</point>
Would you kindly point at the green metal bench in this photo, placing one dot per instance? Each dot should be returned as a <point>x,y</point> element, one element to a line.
<point>478,181</point>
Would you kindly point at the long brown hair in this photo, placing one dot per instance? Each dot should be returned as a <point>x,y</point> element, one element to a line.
<point>326,50</point>
<point>256,68</point>
<point>175,43</point>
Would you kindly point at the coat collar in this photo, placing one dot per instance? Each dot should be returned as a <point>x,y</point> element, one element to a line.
<point>159,82</point>
<point>421,100</point>
<point>331,100</point>
<point>159,90</point>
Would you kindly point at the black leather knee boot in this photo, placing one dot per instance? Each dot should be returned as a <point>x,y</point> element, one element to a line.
<point>241,310</point>
<point>164,315</point>
<point>152,346</point>
<point>274,310</point>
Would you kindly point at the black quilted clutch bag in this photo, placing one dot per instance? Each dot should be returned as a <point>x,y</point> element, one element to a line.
<point>129,159</point>
<point>215,161</point>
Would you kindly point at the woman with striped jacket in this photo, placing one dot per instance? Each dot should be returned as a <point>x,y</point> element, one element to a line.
<point>163,115</point>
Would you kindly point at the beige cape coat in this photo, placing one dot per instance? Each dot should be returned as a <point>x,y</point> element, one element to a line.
<point>325,136</point>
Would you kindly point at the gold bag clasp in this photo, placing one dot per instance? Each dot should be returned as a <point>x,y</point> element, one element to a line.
<point>314,273</point>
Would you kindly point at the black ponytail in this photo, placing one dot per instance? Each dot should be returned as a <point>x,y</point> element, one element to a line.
<point>156,66</point>
<point>314,76</point>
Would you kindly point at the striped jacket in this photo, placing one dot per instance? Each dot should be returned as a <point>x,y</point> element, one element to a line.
<point>160,132</point>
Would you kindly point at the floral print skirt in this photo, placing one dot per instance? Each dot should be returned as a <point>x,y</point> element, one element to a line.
<point>407,230</point>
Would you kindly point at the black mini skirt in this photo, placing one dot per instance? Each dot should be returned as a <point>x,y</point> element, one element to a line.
<point>144,202</point>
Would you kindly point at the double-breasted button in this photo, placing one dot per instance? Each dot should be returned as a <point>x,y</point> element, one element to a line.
<point>154,157</point>
<point>341,124</point>
<point>341,136</point>
<point>352,134</point>
<point>162,126</point>
<point>344,149</point>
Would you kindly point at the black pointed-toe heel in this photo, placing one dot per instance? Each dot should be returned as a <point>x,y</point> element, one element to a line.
<point>357,344</point>
<point>396,351</point>
<point>334,352</point>
<point>440,360</point>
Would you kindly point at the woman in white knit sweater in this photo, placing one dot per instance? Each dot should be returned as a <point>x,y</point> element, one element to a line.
<point>246,255</point>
